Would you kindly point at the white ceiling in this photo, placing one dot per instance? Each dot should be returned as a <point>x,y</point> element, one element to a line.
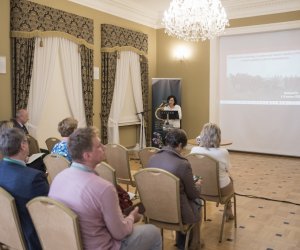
<point>149,12</point>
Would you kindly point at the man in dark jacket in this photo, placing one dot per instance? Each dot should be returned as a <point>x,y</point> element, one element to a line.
<point>22,182</point>
<point>21,119</point>
<point>170,159</point>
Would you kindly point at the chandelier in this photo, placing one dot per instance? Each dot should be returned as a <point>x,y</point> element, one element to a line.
<point>194,20</point>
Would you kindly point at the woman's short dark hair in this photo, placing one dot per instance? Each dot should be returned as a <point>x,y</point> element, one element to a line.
<point>175,137</point>
<point>10,141</point>
<point>172,96</point>
<point>67,126</point>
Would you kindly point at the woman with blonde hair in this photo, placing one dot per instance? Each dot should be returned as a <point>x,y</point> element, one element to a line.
<point>209,144</point>
<point>66,127</point>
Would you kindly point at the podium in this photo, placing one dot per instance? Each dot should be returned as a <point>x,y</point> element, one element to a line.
<point>162,126</point>
<point>169,115</point>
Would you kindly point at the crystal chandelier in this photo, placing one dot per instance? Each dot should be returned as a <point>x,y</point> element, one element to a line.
<point>194,20</point>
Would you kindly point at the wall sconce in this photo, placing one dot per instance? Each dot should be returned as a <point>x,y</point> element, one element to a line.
<point>182,53</point>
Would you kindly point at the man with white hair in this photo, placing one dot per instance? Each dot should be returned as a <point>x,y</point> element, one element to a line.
<point>21,119</point>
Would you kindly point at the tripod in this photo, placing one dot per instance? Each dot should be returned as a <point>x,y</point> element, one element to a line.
<point>142,113</point>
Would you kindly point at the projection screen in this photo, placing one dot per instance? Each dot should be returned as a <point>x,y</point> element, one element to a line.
<point>255,88</point>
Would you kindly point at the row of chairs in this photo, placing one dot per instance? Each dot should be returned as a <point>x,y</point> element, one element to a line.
<point>57,225</point>
<point>34,145</point>
<point>56,163</point>
<point>156,184</point>
<point>158,191</point>
<point>52,219</point>
<point>204,166</point>
<point>117,156</point>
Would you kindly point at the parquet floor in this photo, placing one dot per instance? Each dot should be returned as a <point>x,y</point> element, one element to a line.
<point>262,224</point>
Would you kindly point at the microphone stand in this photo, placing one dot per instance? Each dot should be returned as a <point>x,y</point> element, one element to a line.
<point>142,125</point>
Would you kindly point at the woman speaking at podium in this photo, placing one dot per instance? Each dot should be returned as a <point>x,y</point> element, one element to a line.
<point>172,106</point>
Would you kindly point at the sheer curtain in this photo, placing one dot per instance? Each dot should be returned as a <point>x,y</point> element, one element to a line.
<point>71,68</point>
<point>42,75</point>
<point>127,65</point>
<point>135,70</point>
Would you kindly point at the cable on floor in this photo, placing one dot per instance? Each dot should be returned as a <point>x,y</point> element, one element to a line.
<point>268,199</point>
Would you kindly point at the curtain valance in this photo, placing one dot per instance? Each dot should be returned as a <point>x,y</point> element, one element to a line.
<point>115,38</point>
<point>29,20</point>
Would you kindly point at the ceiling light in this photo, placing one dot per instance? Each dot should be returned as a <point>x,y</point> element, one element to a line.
<point>194,20</point>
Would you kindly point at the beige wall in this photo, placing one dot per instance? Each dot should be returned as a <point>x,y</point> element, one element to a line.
<point>128,137</point>
<point>5,85</point>
<point>195,70</point>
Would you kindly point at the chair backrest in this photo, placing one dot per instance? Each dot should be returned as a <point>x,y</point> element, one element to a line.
<point>57,226</point>
<point>10,229</point>
<point>117,157</point>
<point>33,145</point>
<point>107,172</point>
<point>50,142</point>
<point>159,193</point>
<point>55,163</point>
<point>145,154</point>
<point>208,169</point>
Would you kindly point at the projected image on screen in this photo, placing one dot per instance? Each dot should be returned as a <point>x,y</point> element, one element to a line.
<point>259,91</point>
<point>270,78</point>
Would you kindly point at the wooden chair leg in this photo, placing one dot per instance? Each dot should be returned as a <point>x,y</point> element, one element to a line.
<point>187,238</point>
<point>204,210</point>
<point>223,221</point>
<point>235,214</point>
<point>162,238</point>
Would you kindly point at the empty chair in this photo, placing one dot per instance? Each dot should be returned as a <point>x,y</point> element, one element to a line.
<point>50,142</point>
<point>55,163</point>
<point>117,157</point>
<point>33,145</point>
<point>57,226</point>
<point>11,234</point>
<point>208,169</point>
<point>159,193</point>
<point>145,154</point>
<point>106,172</point>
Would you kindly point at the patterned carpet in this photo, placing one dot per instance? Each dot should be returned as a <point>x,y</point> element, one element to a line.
<point>262,224</point>
<point>272,177</point>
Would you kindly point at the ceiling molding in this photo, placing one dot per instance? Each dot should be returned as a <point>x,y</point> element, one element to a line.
<point>124,9</point>
<point>149,12</point>
<point>249,8</point>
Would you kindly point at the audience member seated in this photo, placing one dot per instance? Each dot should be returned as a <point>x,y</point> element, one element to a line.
<point>66,127</point>
<point>209,144</point>
<point>21,119</point>
<point>95,200</point>
<point>169,159</point>
<point>21,182</point>
<point>4,125</point>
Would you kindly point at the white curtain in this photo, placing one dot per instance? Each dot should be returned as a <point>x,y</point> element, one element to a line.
<point>71,68</point>
<point>42,75</point>
<point>135,70</point>
<point>128,65</point>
